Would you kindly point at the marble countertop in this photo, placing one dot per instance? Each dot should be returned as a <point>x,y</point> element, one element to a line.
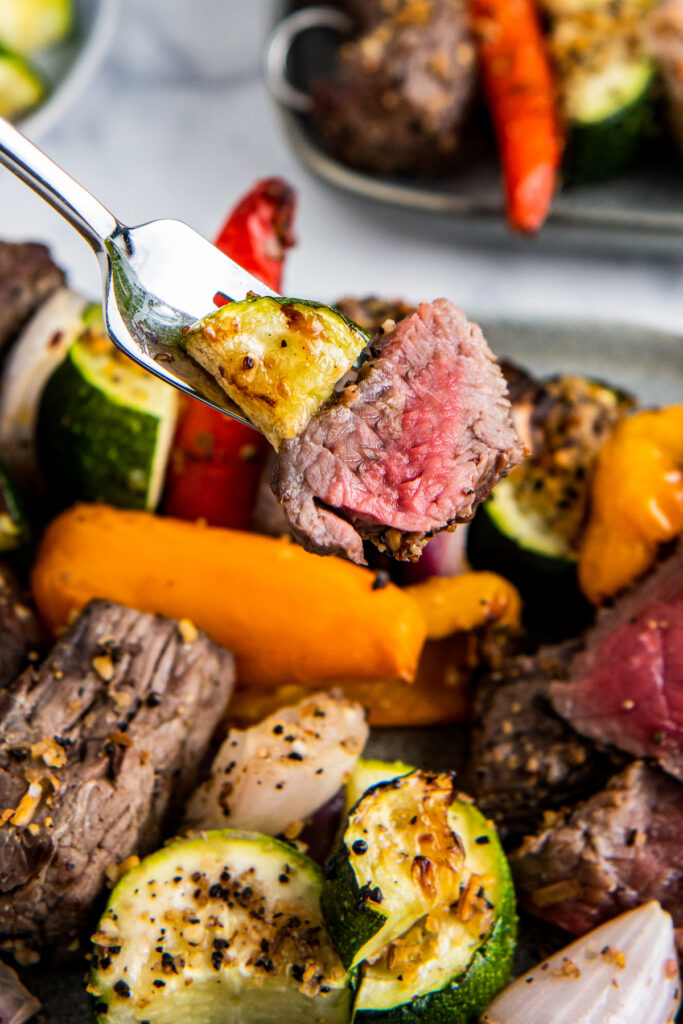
<point>178,122</point>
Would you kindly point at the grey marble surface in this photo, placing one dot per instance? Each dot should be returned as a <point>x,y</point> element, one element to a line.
<point>178,123</point>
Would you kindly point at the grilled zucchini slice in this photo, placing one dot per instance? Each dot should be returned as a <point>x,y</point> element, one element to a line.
<point>105,426</point>
<point>30,25</point>
<point>223,928</point>
<point>450,964</point>
<point>368,772</point>
<point>278,359</point>
<point>21,87</point>
<point>397,860</point>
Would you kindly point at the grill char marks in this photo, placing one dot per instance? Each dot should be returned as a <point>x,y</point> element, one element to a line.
<point>410,448</point>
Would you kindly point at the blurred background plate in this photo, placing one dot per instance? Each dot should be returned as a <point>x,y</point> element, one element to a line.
<point>641,209</point>
<point>69,67</point>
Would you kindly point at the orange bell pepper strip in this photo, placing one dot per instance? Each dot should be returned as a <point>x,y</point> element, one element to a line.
<point>451,604</point>
<point>520,90</point>
<point>440,693</point>
<point>286,615</point>
<point>636,501</point>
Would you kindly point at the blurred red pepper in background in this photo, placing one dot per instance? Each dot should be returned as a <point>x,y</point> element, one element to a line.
<point>216,462</point>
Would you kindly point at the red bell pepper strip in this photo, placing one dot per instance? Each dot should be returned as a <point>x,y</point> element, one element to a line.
<point>521,94</point>
<point>216,462</point>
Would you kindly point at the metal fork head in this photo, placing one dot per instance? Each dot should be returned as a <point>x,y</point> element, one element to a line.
<point>159,279</point>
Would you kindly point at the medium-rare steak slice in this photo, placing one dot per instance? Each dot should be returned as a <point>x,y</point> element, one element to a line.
<point>20,634</point>
<point>97,749</point>
<point>409,448</point>
<point>626,688</point>
<point>621,848</point>
<point>524,758</point>
<point>27,277</point>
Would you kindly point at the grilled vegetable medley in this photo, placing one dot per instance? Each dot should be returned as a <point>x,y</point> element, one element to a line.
<point>187,695</point>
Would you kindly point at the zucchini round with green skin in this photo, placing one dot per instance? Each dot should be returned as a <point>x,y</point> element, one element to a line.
<point>450,964</point>
<point>222,928</point>
<point>397,860</point>
<point>21,87</point>
<point>14,529</point>
<point>609,113</point>
<point>278,359</point>
<point>105,427</point>
<point>367,772</point>
<point>30,25</point>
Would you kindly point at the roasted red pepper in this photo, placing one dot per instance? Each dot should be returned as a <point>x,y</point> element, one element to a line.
<point>520,90</point>
<point>216,462</point>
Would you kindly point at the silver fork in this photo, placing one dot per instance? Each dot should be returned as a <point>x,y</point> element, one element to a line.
<point>158,277</point>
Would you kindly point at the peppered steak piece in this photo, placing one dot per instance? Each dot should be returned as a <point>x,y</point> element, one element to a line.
<point>27,277</point>
<point>524,758</point>
<point>626,688</point>
<point>372,312</point>
<point>621,848</point>
<point>97,749</point>
<point>397,98</point>
<point>20,634</point>
<point>409,448</point>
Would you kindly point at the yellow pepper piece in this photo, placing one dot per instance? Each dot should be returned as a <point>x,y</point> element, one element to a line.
<point>451,604</point>
<point>636,501</point>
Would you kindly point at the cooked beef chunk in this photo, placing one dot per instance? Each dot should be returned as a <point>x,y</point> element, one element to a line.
<point>17,1005</point>
<point>409,449</point>
<point>524,758</point>
<point>27,277</point>
<point>20,634</point>
<point>626,688</point>
<point>98,748</point>
<point>371,313</point>
<point>621,848</point>
<point>397,98</point>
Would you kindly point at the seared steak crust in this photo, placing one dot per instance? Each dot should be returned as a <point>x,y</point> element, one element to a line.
<point>617,850</point>
<point>27,277</point>
<point>524,758</point>
<point>19,630</point>
<point>408,449</point>
<point>98,747</point>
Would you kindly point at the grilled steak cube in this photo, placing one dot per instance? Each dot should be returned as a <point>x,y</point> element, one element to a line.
<point>399,94</point>
<point>617,850</point>
<point>525,759</point>
<point>408,449</point>
<point>626,688</point>
<point>20,634</point>
<point>98,749</point>
<point>27,277</point>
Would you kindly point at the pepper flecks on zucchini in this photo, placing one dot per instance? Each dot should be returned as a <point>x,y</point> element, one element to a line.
<point>530,528</point>
<point>219,928</point>
<point>397,860</point>
<point>450,964</point>
<point>105,427</point>
<point>368,772</point>
<point>278,359</point>
<point>605,80</point>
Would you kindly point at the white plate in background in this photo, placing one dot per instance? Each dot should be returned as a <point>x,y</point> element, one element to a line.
<point>69,67</point>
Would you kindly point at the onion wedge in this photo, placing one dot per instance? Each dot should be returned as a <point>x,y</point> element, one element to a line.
<point>278,772</point>
<point>624,972</point>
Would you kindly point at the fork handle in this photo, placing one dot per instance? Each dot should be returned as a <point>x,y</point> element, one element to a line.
<point>56,187</point>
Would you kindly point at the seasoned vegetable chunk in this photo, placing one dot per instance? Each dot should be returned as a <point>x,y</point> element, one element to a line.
<point>278,359</point>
